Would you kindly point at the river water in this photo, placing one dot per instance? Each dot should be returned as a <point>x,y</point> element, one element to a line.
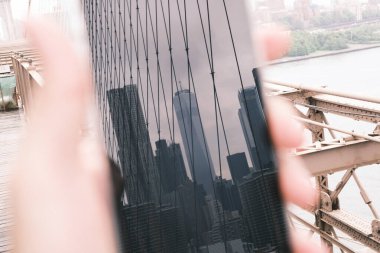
<point>356,72</point>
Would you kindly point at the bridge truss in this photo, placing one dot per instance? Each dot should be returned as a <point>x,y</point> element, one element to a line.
<point>326,156</point>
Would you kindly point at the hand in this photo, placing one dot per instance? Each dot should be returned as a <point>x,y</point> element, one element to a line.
<point>288,133</point>
<point>61,189</point>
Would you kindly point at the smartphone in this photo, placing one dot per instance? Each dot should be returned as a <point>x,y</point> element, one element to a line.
<point>142,50</point>
<point>200,54</point>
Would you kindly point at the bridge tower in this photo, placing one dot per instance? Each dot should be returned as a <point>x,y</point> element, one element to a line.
<point>7,27</point>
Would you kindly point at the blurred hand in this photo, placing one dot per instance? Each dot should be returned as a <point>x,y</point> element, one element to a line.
<point>286,134</point>
<point>61,189</point>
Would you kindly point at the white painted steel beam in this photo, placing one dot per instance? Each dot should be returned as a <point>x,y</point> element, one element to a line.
<point>322,90</point>
<point>334,158</point>
<point>338,105</point>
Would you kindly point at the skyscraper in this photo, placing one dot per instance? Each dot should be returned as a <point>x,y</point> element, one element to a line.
<point>148,228</point>
<point>259,192</point>
<point>248,137</point>
<point>141,228</point>
<point>140,173</point>
<point>256,141</point>
<point>228,194</point>
<point>194,140</point>
<point>238,166</point>
<point>260,209</point>
<point>7,27</point>
<point>173,231</point>
<point>170,162</point>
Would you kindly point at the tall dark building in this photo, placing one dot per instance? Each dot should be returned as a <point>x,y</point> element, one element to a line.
<point>233,228</point>
<point>148,228</point>
<point>256,141</point>
<point>193,207</point>
<point>194,140</point>
<point>228,195</point>
<point>259,192</point>
<point>260,210</point>
<point>173,230</point>
<point>194,213</point>
<point>238,166</point>
<point>170,162</point>
<point>141,228</point>
<point>251,145</point>
<point>134,148</point>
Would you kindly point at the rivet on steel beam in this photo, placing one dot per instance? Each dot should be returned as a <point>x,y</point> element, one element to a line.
<point>376,229</point>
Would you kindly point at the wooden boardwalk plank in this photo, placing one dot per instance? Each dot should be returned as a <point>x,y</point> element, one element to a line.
<point>11,124</point>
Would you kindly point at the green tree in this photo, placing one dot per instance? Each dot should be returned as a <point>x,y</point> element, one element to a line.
<point>334,41</point>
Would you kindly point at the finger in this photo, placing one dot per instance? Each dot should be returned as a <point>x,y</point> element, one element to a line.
<point>60,105</point>
<point>275,42</point>
<point>295,182</point>
<point>286,132</point>
<point>302,243</point>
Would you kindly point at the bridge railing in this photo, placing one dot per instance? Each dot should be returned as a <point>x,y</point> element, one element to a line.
<point>28,79</point>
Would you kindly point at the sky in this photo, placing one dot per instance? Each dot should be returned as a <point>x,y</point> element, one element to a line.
<point>289,3</point>
<point>19,8</point>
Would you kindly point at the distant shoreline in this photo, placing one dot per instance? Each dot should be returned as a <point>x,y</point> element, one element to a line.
<point>319,54</point>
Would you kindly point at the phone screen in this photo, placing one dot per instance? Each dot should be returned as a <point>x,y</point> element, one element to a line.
<point>182,118</point>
